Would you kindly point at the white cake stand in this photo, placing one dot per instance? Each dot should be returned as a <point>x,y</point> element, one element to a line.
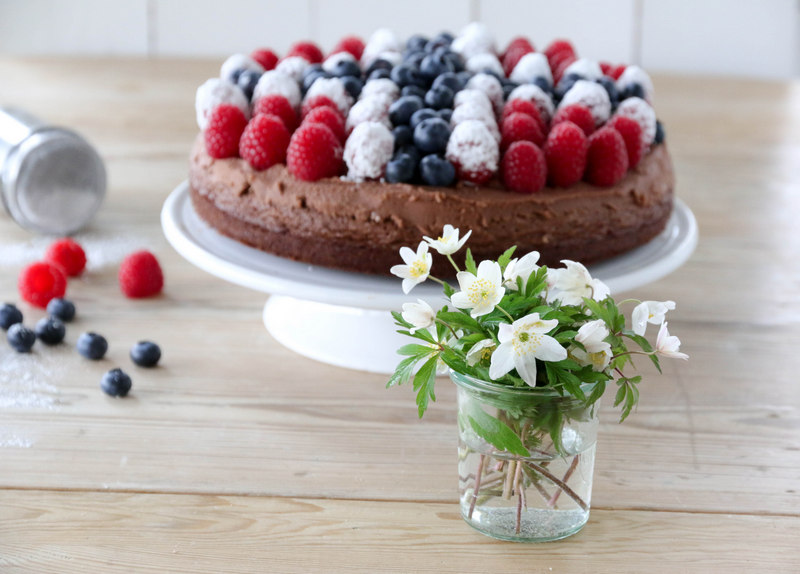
<point>343,318</point>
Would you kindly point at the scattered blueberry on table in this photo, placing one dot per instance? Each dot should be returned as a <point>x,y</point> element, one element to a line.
<point>146,354</point>
<point>116,383</point>
<point>50,330</point>
<point>21,338</point>
<point>92,346</point>
<point>62,309</point>
<point>9,315</point>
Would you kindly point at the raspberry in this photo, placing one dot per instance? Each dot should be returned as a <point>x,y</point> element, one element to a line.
<point>140,275</point>
<point>317,101</point>
<point>631,132</point>
<point>524,167</point>
<point>314,152</point>
<point>329,117</point>
<point>225,127</point>
<point>517,43</point>
<point>591,95</point>
<point>558,47</point>
<point>517,48</point>
<point>537,96</point>
<point>277,105</point>
<point>579,115</point>
<point>524,107</point>
<point>520,127</point>
<point>639,110</point>
<point>68,255</point>
<point>267,58</point>
<point>367,151</point>
<point>605,67</point>
<point>39,283</point>
<point>561,66</point>
<point>308,50</point>
<point>565,152</point>
<point>616,71</point>
<point>350,44</point>
<point>607,159</point>
<point>472,149</point>
<point>264,141</point>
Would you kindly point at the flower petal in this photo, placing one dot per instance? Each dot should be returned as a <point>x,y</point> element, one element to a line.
<point>502,361</point>
<point>550,350</point>
<point>526,367</point>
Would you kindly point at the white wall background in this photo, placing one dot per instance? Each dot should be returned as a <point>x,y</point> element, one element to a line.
<point>759,38</point>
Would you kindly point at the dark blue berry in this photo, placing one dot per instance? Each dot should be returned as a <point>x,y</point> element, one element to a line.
<point>145,354</point>
<point>413,58</point>
<point>464,77</point>
<point>50,331</point>
<point>61,309</point>
<point>413,91</point>
<point>445,36</point>
<point>400,111</point>
<point>439,97</point>
<point>455,60</point>
<point>632,90</point>
<point>431,135</point>
<point>659,133</point>
<point>434,65</point>
<point>116,383</point>
<point>403,136</point>
<point>9,315</point>
<point>353,86</point>
<point>378,64</point>
<point>92,346</point>
<point>247,82</point>
<point>446,114</point>
<point>401,169</point>
<point>416,43</point>
<point>611,89</point>
<point>346,68</point>
<point>309,79</point>
<point>379,74</point>
<point>435,170</point>
<point>442,40</point>
<point>449,79</point>
<point>507,89</point>
<point>406,74</point>
<point>21,338</point>
<point>420,115</point>
<point>409,150</point>
<point>235,75</point>
<point>543,83</point>
<point>565,85</point>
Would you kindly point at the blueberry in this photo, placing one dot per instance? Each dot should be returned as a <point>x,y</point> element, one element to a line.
<point>401,169</point>
<point>235,75</point>
<point>413,58</point>
<point>464,77</point>
<point>416,43</point>
<point>92,346</point>
<point>247,82</point>
<point>449,79</point>
<point>9,315</point>
<point>21,338</point>
<point>406,74</point>
<point>400,112</point>
<point>445,36</point>
<point>446,114</point>
<point>353,86</point>
<point>442,40</point>
<point>116,383</point>
<point>507,89</point>
<point>423,114</point>
<point>378,64</point>
<point>565,85</point>
<point>434,65</point>
<point>632,90</point>
<point>61,309</point>
<point>439,97</point>
<point>435,170</point>
<point>659,133</point>
<point>413,91</point>
<point>431,135</point>
<point>543,83</point>
<point>309,79</point>
<point>611,89</point>
<point>346,68</point>
<point>50,331</point>
<point>403,136</point>
<point>379,74</point>
<point>409,150</point>
<point>456,60</point>
<point>145,354</point>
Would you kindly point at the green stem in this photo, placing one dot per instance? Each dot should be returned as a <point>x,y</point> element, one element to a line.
<point>510,318</point>
<point>450,259</point>
<point>632,353</point>
<point>452,330</point>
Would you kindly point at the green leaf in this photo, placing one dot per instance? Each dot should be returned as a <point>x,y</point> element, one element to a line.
<point>403,371</point>
<point>424,381</point>
<point>597,392</point>
<point>495,432</point>
<point>448,290</point>
<point>506,257</point>
<point>398,319</point>
<point>469,263</point>
<point>459,320</point>
<point>414,350</point>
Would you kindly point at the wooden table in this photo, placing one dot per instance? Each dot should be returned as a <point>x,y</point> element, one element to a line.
<point>238,456</point>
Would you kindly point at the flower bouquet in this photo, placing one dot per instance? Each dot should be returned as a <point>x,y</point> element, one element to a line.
<point>531,351</point>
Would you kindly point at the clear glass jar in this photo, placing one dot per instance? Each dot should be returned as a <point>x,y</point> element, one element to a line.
<point>535,497</point>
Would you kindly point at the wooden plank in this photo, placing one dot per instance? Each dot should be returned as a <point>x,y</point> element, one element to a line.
<point>67,533</point>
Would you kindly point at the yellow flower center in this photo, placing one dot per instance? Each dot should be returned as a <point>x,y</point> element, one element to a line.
<point>418,269</point>
<point>525,343</point>
<point>480,291</point>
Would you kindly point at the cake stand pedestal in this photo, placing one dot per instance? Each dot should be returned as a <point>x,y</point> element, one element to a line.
<point>343,318</point>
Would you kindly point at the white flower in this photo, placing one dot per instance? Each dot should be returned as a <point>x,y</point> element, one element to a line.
<point>668,345</point>
<point>572,284</point>
<point>417,266</point>
<point>480,292</point>
<point>521,343</point>
<point>522,267</point>
<point>649,312</point>
<point>479,351</point>
<point>598,351</point>
<point>420,314</point>
<point>449,242</point>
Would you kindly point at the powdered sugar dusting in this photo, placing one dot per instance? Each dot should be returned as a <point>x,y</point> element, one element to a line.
<point>473,147</point>
<point>474,39</point>
<point>275,82</point>
<point>9,438</point>
<point>368,150</point>
<point>634,74</point>
<point>537,97</point>
<point>472,111</point>
<point>491,86</point>
<point>382,40</point>
<point>371,109</point>
<point>593,96</point>
<point>473,96</point>
<point>238,62</point>
<point>101,250</point>
<point>293,66</point>
<point>214,92</point>
<point>380,87</point>
<point>585,68</point>
<point>330,63</point>
<point>531,66</point>
<point>26,380</point>
<point>640,111</point>
<point>332,88</point>
<point>483,62</point>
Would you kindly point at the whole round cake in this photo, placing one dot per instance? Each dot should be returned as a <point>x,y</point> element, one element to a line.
<point>341,160</point>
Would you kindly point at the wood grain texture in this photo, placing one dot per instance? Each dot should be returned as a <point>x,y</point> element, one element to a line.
<point>236,455</point>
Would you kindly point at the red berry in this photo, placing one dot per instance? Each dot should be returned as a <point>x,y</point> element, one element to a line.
<point>267,58</point>
<point>558,47</point>
<point>308,50</point>
<point>140,275</point>
<point>317,101</point>
<point>524,167</point>
<point>517,48</point>
<point>225,127</point>
<point>616,71</point>
<point>560,67</point>
<point>517,43</point>
<point>631,132</point>
<point>605,67</point>
<point>264,141</point>
<point>68,255</point>
<point>352,44</point>
<point>524,107</point>
<point>314,152</point>
<point>520,127</point>
<point>607,160</point>
<point>39,283</point>
<point>578,115</point>
<point>277,105</point>
<point>329,117</point>
<point>565,152</point>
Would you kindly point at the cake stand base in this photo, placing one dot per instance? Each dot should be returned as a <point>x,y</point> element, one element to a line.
<point>363,339</point>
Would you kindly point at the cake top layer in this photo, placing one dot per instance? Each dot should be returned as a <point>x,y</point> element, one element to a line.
<point>433,112</point>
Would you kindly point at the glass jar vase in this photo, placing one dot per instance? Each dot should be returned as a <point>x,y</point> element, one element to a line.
<point>525,460</point>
